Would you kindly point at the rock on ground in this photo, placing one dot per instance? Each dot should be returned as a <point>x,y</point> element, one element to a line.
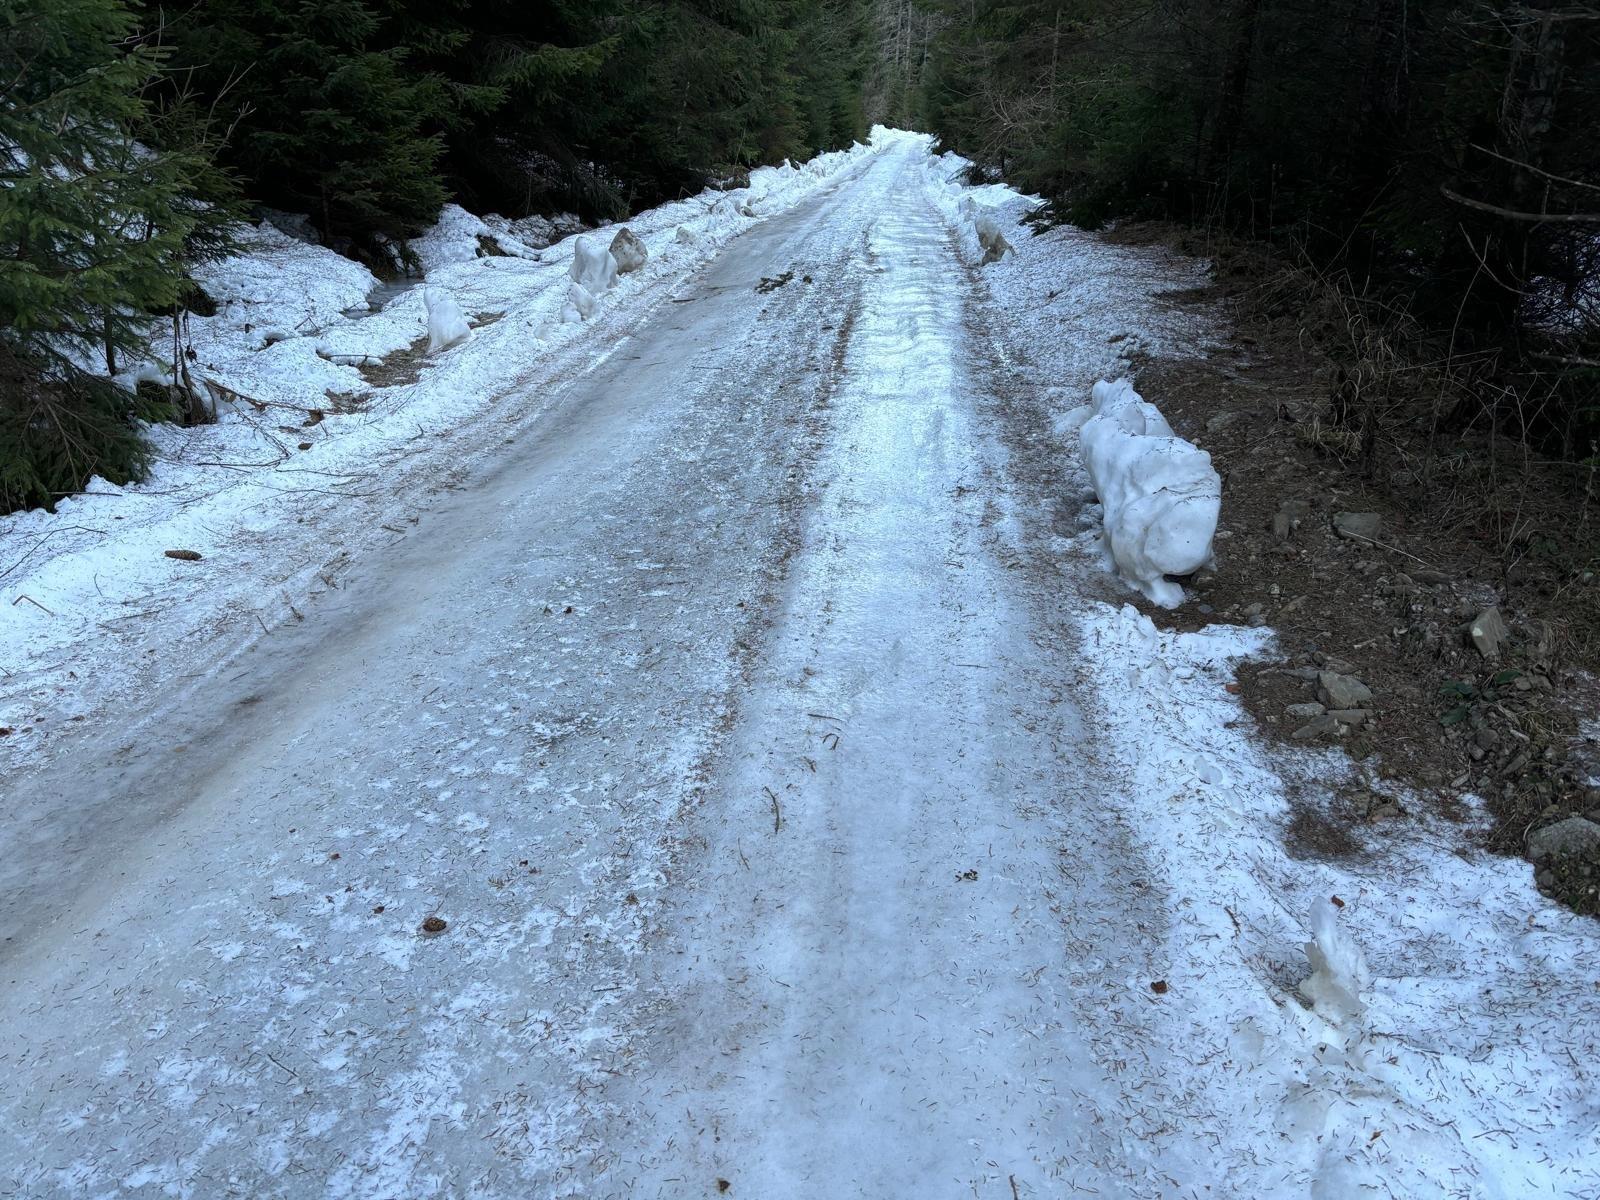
<point>1364,525</point>
<point>1342,691</point>
<point>1564,839</point>
<point>628,250</point>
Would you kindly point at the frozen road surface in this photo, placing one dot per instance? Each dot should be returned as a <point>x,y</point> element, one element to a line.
<point>803,820</point>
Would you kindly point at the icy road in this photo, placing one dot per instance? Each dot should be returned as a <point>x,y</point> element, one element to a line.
<point>795,805</point>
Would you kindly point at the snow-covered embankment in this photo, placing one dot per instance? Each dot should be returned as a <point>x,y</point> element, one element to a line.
<point>329,386</point>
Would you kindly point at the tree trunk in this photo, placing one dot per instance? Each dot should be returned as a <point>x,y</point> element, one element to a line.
<point>1239,30</point>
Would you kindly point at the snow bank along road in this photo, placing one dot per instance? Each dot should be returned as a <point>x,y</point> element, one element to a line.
<point>803,820</point>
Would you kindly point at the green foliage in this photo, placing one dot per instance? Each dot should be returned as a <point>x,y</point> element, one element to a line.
<point>95,228</point>
<point>367,114</point>
<point>58,431</point>
<point>331,122</point>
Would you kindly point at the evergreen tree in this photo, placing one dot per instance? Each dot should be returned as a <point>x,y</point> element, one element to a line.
<point>332,122</point>
<point>522,95</point>
<point>95,226</point>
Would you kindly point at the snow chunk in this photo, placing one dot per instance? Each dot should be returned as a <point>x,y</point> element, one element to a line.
<point>995,246</point>
<point>594,267</point>
<point>1160,494</point>
<point>1339,971</point>
<point>580,306</point>
<point>447,324</point>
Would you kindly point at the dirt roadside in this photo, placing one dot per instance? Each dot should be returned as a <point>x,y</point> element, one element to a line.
<point>1449,659</point>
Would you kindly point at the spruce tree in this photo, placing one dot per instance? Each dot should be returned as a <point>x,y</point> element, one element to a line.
<point>332,122</point>
<point>523,104</point>
<point>94,225</point>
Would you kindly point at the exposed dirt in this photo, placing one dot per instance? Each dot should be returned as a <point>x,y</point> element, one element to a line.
<point>1393,610</point>
<point>399,367</point>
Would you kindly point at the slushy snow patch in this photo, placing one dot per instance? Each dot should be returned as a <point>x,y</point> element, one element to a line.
<point>1160,494</point>
<point>460,237</point>
<point>1450,1049</point>
<point>447,324</point>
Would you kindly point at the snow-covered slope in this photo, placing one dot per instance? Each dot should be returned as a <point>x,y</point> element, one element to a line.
<point>304,433</point>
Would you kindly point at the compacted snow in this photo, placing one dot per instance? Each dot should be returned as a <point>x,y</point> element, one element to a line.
<point>733,671</point>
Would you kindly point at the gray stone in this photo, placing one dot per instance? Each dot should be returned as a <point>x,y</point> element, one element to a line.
<point>1324,726</point>
<point>1304,712</point>
<point>1575,835</point>
<point>1308,674</point>
<point>1296,510</point>
<point>1349,716</point>
<point>1361,526</point>
<point>1488,632</point>
<point>1219,422</point>
<point>628,250</point>
<point>1282,527</point>
<point>1342,691</point>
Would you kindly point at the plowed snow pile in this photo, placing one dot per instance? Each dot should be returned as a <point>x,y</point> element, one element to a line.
<point>1159,494</point>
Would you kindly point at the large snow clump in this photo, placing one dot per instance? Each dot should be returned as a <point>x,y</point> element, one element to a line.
<point>593,272</point>
<point>1160,494</point>
<point>447,324</point>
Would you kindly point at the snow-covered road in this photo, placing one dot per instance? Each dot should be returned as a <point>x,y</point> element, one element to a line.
<point>856,998</point>
<point>744,719</point>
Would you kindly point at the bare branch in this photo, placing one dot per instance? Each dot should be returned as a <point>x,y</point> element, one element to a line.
<point>1513,215</point>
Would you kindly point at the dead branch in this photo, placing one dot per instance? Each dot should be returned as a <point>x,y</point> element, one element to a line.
<point>1512,214</point>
